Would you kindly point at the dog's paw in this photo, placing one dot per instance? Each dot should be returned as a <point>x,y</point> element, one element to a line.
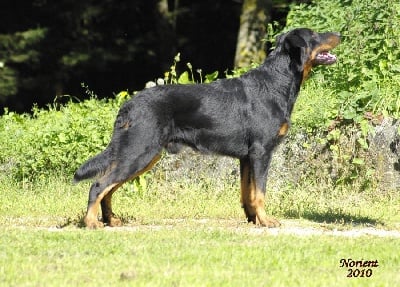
<point>114,222</point>
<point>268,222</point>
<point>93,224</point>
<point>252,219</point>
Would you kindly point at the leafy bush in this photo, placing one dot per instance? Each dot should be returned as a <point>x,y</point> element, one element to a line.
<point>60,138</point>
<point>366,78</point>
<point>54,140</point>
<point>362,88</point>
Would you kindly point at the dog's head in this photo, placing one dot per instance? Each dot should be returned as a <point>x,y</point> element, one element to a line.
<point>307,48</point>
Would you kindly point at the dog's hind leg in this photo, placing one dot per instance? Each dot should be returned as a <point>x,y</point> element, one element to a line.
<point>109,217</point>
<point>101,191</point>
<point>98,191</point>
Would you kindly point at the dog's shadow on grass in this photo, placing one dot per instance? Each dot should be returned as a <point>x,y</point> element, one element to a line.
<point>76,221</point>
<point>327,217</point>
<point>343,219</point>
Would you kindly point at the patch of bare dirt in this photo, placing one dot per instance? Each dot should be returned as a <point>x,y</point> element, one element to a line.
<point>289,227</point>
<point>296,228</point>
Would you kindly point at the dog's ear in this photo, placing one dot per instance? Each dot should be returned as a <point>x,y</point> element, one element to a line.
<point>296,47</point>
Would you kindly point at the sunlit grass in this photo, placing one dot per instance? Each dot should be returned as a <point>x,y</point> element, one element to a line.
<point>56,202</point>
<point>189,232</point>
<point>188,255</point>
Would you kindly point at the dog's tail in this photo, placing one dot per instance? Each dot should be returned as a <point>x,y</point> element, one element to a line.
<point>93,167</point>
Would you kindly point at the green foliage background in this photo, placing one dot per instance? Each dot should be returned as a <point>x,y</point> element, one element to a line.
<point>365,80</point>
<point>54,141</point>
<point>367,75</point>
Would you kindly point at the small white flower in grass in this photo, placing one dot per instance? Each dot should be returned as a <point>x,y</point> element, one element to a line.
<point>150,84</point>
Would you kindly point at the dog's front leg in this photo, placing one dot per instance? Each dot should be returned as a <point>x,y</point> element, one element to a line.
<point>258,180</point>
<point>259,206</point>
<point>253,181</point>
<point>245,188</point>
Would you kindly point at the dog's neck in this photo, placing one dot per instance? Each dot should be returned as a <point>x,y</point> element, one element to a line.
<point>289,79</point>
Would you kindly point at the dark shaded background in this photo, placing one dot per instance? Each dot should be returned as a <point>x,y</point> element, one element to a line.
<point>48,48</point>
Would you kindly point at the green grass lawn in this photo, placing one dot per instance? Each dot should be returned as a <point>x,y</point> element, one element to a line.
<point>189,255</point>
<point>180,235</point>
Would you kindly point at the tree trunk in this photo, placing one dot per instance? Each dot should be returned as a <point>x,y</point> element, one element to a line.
<point>250,47</point>
<point>166,28</point>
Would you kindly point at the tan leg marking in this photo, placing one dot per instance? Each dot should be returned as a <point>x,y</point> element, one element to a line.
<point>245,198</point>
<point>283,129</point>
<point>253,200</point>
<point>93,209</point>
<point>91,220</point>
<point>258,204</point>
<point>106,208</point>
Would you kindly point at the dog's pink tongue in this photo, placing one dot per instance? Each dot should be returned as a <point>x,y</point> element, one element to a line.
<point>326,58</point>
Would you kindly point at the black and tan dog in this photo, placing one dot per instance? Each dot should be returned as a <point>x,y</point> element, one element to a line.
<point>243,117</point>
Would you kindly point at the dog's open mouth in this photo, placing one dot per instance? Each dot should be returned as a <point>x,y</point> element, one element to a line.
<point>325,58</point>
